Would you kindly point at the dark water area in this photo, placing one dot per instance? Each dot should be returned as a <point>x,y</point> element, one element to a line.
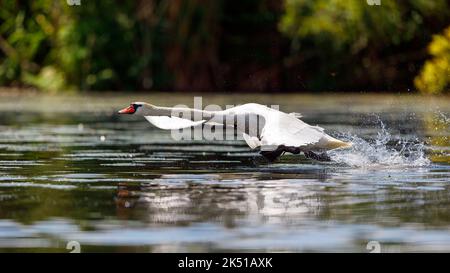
<point>71,169</point>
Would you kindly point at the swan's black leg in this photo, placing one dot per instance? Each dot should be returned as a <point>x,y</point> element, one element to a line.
<point>292,150</point>
<point>319,157</point>
<point>273,155</point>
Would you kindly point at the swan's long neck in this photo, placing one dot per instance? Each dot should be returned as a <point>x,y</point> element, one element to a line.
<point>189,113</point>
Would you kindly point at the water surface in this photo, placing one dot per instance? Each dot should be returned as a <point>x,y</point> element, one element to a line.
<point>71,169</point>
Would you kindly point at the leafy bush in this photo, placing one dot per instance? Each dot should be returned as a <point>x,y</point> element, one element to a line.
<point>349,44</point>
<point>435,75</point>
<point>221,45</point>
<point>27,32</point>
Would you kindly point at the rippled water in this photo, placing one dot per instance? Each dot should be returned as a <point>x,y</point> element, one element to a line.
<point>72,170</point>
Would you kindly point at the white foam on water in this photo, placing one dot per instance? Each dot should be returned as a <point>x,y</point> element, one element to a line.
<point>383,151</point>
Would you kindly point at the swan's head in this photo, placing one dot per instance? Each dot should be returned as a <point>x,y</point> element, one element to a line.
<point>134,108</point>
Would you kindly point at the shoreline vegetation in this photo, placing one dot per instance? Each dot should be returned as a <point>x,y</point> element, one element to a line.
<point>6,91</point>
<point>259,46</point>
<point>96,100</point>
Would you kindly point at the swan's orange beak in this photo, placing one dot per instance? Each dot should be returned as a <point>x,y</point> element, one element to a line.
<point>129,110</point>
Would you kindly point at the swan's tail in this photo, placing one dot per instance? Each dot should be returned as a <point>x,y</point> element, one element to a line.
<point>336,143</point>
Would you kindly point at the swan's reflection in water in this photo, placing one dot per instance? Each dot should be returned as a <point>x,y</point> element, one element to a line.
<point>302,211</point>
<point>173,199</point>
<point>233,199</point>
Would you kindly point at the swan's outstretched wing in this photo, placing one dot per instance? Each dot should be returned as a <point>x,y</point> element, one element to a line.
<point>295,114</point>
<point>252,141</point>
<point>172,123</point>
<point>288,130</point>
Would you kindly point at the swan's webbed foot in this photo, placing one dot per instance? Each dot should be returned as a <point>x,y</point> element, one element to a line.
<point>273,155</point>
<point>292,150</point>
<point>319,157</point>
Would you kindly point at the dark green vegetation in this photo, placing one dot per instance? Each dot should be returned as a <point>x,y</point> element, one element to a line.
<point>250,45</point>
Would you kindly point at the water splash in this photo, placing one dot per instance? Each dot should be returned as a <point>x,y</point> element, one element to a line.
<point>383,151</point>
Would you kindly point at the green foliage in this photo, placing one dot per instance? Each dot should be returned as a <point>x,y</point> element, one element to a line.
<point>129,45</point>
<point>26,33</point>
<point>97,45</point>
<point>360,42</point>
<point>435,75</point>
<point>356,24</point>
<point>220,45</point>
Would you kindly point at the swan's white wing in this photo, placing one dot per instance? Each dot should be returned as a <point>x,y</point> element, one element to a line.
<point>251,141</point>
<point>296,115</point>
<point>172,123</point>
<point>285,129</point>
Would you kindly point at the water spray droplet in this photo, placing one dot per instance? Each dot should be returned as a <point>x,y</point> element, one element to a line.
<point>383,151</point>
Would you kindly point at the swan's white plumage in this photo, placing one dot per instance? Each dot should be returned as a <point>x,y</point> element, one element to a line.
<point>172,123</point>
<point>252,142</point>
<point>285,129</point>
<point>279,128</point>
<point>297,115</point>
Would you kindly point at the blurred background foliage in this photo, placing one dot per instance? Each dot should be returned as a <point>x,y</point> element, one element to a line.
<point>204,45</point>
<point>435,75</point>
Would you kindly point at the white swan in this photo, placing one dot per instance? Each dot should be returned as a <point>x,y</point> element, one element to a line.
<point>278,132</point>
